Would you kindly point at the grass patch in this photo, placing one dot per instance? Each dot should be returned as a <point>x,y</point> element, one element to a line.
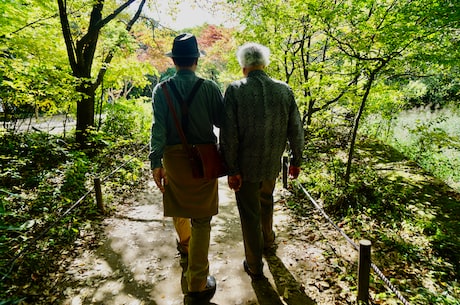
<point>431,138</point>
<point>411,217</point>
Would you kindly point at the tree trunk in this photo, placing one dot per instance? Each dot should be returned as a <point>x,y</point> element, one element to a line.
<point>85,112</point>
<point>308,116</point>
<point>356,125</point>
<point>81,56</point>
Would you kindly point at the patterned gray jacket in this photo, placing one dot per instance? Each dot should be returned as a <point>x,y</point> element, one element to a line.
<point>261,118</point>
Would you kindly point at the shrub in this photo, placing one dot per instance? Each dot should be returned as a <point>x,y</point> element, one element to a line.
<point>130,119</point>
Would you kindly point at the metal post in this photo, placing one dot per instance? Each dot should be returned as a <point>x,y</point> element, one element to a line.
<point>97,189</point>
<point>285,171</point>
<point>364,269</point>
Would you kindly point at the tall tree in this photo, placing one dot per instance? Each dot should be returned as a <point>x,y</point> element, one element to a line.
<point>377,38</point>
<point>81,52</point>
<point>34,73</point>
<point>301,52</point>
<point>334,52</point>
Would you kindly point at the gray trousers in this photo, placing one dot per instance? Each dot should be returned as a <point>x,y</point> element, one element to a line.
<point>255,205</point>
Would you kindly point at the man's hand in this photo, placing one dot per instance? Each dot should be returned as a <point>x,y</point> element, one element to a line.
<point>159,176</point>
<point>234,182</point>
<point>294,172</point>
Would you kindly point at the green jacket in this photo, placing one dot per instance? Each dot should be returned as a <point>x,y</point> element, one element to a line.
<point>205,112</point>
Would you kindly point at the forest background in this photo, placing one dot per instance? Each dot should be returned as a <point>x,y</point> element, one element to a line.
<point>373,80</point>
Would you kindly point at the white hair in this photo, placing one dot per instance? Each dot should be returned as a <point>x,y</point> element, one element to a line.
<point>253,54</point>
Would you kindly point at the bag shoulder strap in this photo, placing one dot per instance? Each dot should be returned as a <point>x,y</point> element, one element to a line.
<point>176,121</point>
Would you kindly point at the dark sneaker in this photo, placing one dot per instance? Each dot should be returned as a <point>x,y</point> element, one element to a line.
<point>181,249</point>
<point>254,276</point>
<point>206,295</point>
<point>183,253</point>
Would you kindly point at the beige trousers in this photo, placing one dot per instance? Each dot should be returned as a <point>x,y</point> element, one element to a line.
<point>194,235</point>
<point>184,231</point>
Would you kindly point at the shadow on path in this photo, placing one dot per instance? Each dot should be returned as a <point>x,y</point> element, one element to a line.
<point>138,262</point>
<point>266,294</point>
<point>287,286</point>
<point>138,290</point>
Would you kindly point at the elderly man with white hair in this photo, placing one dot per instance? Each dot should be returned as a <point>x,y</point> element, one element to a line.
<point>261,117</point>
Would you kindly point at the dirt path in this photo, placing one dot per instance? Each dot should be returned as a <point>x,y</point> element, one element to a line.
<point>137,262</point>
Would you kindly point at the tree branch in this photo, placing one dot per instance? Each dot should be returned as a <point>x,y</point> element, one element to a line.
<point>107,19</point>
<point>336,99</point>
<point>109,56</point>
<point>97,24</point>
<point>136,16</point>
<point>67,35</point>
<point>31,24</point>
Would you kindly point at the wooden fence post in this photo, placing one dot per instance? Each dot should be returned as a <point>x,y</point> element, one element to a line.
<point>285,171</point>
<point>364,269</point>
<point>98,190</point>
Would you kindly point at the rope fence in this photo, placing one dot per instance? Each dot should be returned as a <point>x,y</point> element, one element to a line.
<point>66,212</point>
<point>352,243</point>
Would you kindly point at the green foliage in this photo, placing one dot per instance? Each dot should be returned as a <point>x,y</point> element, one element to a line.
<point>428,137</point>
<point>436,90</point>
<point>34,77</point>
<point>346,54</point>
<point>25,156</point>
<point>326,50</point>
<point>410,217</point>
<point>317,45</point>
<point>42,177</point>
<point>115,37</point>
<point>127,73</point>
<point>128,119</point>
<point>75,177</point>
